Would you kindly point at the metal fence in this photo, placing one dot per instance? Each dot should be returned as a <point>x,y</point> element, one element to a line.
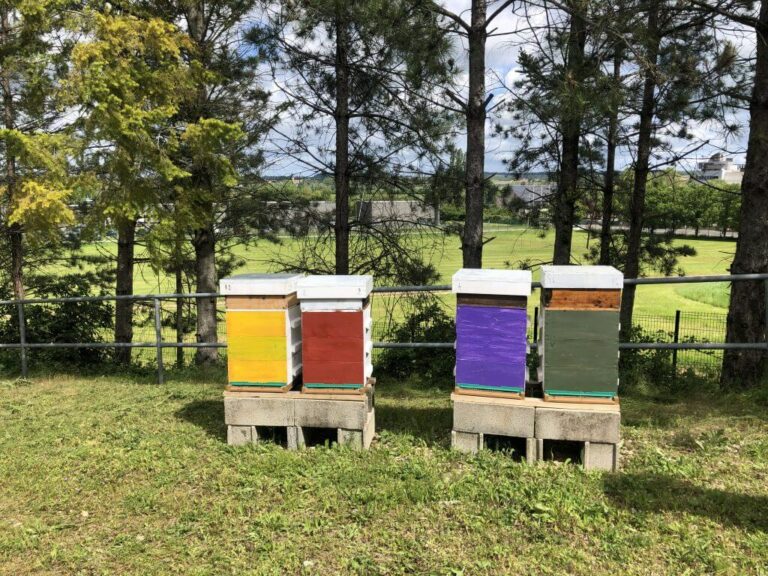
<point>696,340</point>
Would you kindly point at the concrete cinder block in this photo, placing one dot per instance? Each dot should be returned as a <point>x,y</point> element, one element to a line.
<point>599,456</point>
<point>240,435</point>
<point>469,442</point>
<point>295,437</point>
<point>359,439</point>
<point>330,414</point>
<point>500,419</point>
<point>531,450</point>
<point>577,425</point>
<point>258,411</point>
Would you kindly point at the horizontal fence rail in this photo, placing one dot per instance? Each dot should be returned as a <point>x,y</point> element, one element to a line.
<point>161,345</point>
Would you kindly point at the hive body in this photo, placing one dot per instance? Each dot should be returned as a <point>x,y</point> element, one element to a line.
<point>491,324</point>
<point>336,331</point>
<point>580,331</point>
<point>263,330</point>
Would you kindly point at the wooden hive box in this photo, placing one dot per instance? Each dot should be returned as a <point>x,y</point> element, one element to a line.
<point>579,332</point>
<point>263,331</point>
<point>491,331</point>
<point>336,332</point>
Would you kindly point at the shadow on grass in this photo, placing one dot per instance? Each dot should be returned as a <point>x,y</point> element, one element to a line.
<point>651,493</point>
<point>206,414</point>
<point>431,424</point>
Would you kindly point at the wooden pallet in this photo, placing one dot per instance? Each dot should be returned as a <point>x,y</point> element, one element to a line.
<point>367,389</point>
<point>488,393</point>
<point>580,399</point>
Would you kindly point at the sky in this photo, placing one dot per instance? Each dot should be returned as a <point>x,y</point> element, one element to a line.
<point>502,54</point>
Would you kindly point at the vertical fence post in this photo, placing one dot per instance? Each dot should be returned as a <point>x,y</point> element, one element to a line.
<point>765,283</point>
<point>22,339</point>
<point>536,324</point>
<point>676,340</point>
<point>159,342</point>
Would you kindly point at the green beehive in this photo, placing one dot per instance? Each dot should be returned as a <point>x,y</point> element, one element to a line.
<point>579,340</point>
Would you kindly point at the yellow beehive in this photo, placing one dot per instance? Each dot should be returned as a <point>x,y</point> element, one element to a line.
<point>263,330</point>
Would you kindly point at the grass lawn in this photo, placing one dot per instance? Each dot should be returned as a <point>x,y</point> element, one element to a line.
<point>117,476</point>
<point>510,246</point>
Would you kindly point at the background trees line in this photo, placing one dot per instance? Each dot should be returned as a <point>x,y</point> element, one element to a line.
<point>159,116</point>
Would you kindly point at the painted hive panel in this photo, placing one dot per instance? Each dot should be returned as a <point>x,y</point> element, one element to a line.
<point>333,348</point>
<point>257,348</point>
<point>490,348</point>
<point>581,352</point>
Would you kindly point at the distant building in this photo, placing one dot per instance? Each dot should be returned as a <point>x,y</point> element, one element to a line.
<point>718,167</point>
<point>531,194</point>
<point>402,211</point>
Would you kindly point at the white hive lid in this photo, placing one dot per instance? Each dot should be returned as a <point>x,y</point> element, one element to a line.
<point>584,277</point>
<point>335,287</point>
<point>260,284</point>
<point>501,282</point>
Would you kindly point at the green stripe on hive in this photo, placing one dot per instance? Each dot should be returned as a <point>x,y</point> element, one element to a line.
<point>482,387</point>
<point>269,384</point>
<point>316,385</point>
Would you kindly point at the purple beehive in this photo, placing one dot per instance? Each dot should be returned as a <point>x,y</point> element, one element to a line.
<point>491,326</point>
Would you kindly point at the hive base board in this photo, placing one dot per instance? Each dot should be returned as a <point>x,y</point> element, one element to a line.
<point>367,389</point>
<point>267,389</point>
<point>580,399</point>
<point>488,393</point>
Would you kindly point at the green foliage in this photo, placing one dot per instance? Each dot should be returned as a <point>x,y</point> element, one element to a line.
<point>62,322</point>
<point>427,321</point>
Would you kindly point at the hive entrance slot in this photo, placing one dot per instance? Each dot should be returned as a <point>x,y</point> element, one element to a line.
<point>562,450</point>
<point>515,447</point>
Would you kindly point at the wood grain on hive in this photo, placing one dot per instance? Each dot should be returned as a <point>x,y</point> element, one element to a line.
<point>263,331</point>
<point>336,331</point>
<point>491,326</point>
<point>579,336</point>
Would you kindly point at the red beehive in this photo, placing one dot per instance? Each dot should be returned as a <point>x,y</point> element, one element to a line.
<point>336,331</point>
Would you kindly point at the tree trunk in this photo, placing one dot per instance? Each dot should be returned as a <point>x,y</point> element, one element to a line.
<point>341,119</point>
<point>610,171</point>
<point>126,243</point>
<point>746,313</point>
<point>204,242</point>
<point>642,169</point>
<point>472,235</point>
<point>15,232</point>
<point>564,217</point>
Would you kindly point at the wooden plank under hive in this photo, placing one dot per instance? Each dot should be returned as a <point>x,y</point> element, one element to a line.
<point>263,331</point>
<point>579,339</point>
<point>491,326</point>
<point>336,332</point>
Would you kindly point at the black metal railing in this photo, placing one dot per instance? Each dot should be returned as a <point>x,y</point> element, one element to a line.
<point>159,343</point>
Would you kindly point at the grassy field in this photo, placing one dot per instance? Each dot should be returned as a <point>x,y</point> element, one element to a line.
<point>117,476</point>
<point>510,246</point>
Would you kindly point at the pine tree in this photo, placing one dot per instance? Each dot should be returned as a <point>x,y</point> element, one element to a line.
<point>35,182</point>
<point>357,78</point>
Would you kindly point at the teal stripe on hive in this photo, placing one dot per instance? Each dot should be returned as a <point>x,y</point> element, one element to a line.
<point>265,384</point>
<point>316,385</point>
<point>572,393</point>
<point>481,387</point>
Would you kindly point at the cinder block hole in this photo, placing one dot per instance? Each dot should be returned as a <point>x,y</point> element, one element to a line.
<point>562,450</point>
<point>515,447</point>
<point>276,434</point>
<point>320,436</point>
